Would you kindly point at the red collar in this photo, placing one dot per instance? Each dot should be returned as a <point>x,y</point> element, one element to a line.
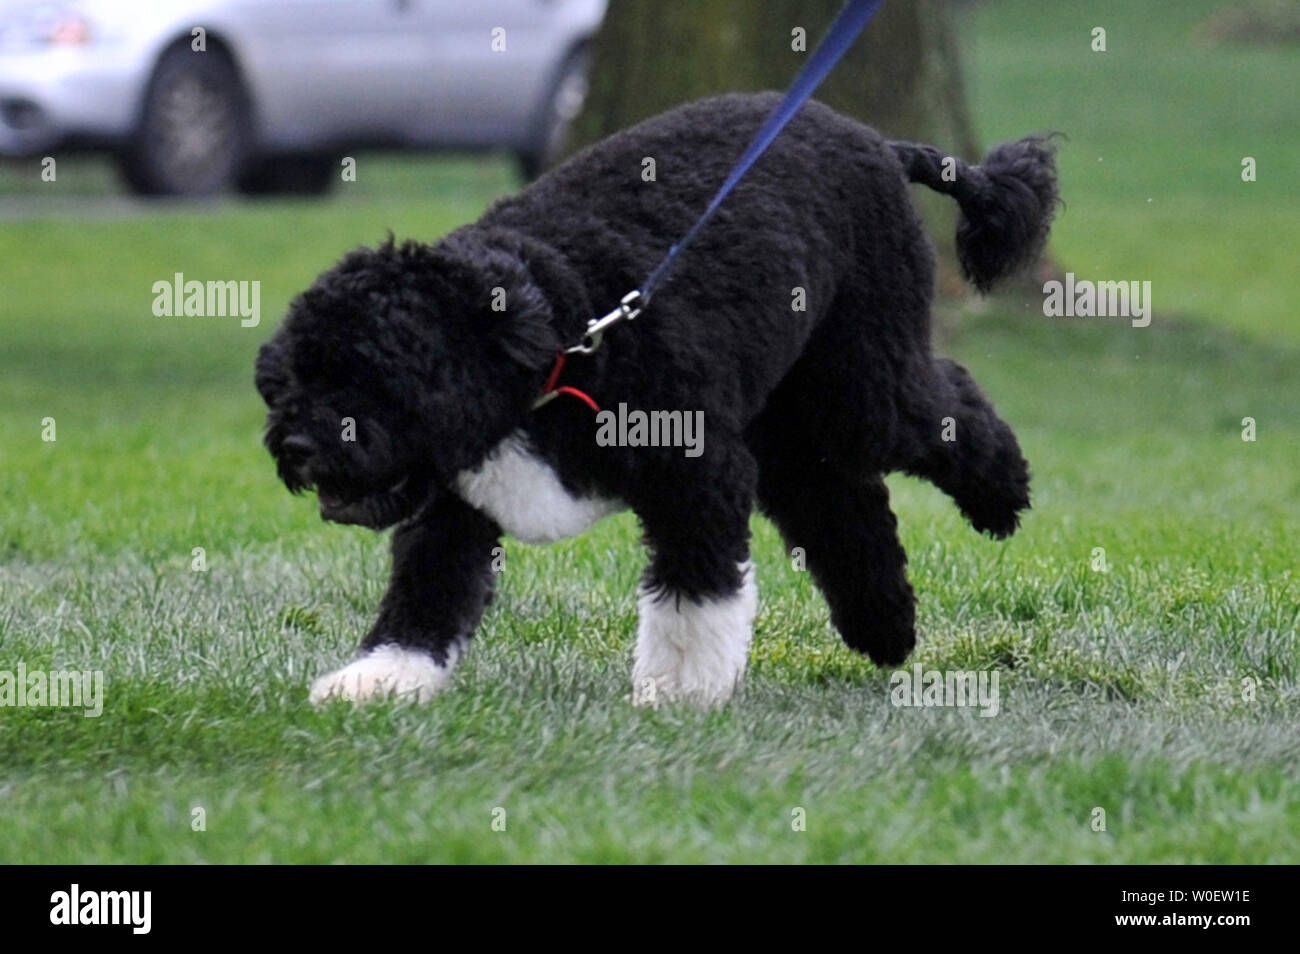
<point>550,391</point>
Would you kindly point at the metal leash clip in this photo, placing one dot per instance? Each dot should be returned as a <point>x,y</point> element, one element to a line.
<point>596,328</point>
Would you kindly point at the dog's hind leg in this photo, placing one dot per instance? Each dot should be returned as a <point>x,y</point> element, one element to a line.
<point>441,581</point>
<point>957,441</point>
<point>847,534</point>
<point>697,597</point>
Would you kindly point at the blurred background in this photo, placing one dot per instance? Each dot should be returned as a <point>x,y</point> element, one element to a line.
<point>435,98</point>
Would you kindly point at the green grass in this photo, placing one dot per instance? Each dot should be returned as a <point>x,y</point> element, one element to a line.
<point>1158,126</point>
<point>1120,690</point>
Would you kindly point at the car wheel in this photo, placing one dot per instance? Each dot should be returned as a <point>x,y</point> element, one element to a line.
<point>193,132</point>
<point>563,104</point>
<point>287,175</point>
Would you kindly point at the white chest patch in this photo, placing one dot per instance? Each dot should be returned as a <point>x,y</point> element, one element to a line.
<point>524,495</point>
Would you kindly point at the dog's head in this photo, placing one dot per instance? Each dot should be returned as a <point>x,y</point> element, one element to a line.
<point>400,367</point>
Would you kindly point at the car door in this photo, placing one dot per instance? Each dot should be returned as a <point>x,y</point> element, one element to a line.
<point>486,65</point>
<point>331,71</point>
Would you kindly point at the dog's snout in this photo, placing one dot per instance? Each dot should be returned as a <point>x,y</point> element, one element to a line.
<point>297,447</point>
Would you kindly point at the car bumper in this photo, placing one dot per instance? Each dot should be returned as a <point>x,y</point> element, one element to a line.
<point>48,97</point>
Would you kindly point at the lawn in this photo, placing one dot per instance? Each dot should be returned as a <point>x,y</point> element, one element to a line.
<point>1162,690</point>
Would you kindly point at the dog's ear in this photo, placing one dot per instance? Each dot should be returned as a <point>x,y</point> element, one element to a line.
<point>491,275</point>
<point>528,339</point>
<point>516,314</point>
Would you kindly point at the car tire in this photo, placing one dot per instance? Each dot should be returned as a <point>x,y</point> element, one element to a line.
<point>287,175</point>
<point>562,105</point>
<point>194,131</point>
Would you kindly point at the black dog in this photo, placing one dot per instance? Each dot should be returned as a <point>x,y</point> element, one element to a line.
<point>402,385</point>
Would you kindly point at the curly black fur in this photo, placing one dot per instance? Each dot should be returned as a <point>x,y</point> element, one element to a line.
<point>804,411</point>
<point>1006,203</point>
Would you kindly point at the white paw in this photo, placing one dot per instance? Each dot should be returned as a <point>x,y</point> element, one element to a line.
<point>382,672</point>
<point>693,652</point>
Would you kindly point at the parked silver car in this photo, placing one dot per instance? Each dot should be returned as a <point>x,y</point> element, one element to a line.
<point>194,96</point>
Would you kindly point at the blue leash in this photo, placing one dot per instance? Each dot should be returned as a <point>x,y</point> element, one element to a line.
<point>850,22</point>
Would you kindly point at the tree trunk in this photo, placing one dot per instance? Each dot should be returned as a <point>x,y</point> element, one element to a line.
<point>903,76</point>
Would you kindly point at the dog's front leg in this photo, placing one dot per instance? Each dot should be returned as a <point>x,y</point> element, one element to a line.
<point>698,597</point>
<point>442,580</point>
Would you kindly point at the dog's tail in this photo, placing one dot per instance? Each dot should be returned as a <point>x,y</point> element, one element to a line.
<point>1006,202</point>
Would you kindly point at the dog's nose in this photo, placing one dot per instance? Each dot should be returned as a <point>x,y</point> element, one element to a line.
<point>298,447</point>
